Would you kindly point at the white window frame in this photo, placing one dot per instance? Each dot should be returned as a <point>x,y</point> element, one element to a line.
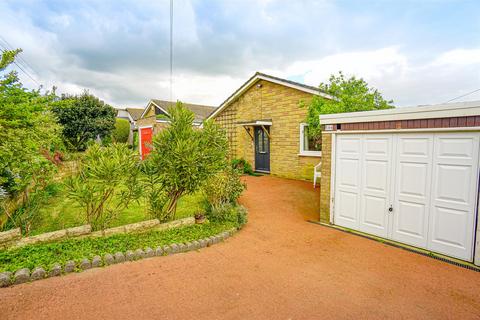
<point>306,153</point>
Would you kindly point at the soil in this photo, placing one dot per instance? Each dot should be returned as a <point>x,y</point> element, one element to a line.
<point>278,267</point>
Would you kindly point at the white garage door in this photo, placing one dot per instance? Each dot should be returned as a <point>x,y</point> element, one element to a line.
<point>420,189</point>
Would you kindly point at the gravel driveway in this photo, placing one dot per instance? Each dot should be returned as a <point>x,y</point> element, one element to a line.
<point>277,267</point>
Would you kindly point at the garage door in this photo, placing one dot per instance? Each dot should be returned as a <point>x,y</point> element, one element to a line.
<point>419,189</point>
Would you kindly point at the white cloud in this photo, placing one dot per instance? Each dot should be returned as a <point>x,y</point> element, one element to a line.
<point>458,57</point>
<point>119,50</point>
<point>396,76</point>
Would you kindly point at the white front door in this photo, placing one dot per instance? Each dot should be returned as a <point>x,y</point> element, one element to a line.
<point>428,181</point>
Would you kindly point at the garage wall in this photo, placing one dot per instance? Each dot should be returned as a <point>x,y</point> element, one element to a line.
<point>326,178</point>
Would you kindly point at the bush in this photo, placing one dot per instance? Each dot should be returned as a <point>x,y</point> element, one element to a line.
<point>222,192</point>
<point>122,131</point>
<point>106,183</point>
<point>243,165</point>
<point>154,194</point>
<point>228,212</point>
<point>184,157</point>
<point>224,187</point>
<point>84,118</point>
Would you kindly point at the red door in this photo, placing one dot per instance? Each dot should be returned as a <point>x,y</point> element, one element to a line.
<point>145,141</point>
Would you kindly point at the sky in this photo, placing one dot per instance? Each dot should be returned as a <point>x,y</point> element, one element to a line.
<point>414,52</point>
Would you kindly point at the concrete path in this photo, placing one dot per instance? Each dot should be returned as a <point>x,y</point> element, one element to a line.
<point>277,267</point>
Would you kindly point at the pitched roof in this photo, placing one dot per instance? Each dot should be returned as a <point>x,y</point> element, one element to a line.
<point>262,76</point>
<point>201,111</point>
<point>135,113</point>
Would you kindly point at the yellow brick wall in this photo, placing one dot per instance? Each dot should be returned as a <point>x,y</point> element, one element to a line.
<point>281,105</point>
<point>325,180</point>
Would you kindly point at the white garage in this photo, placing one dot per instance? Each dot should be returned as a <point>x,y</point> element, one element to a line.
<point>397,175</point>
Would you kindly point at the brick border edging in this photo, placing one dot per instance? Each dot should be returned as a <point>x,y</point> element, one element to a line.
<point>23,275</point>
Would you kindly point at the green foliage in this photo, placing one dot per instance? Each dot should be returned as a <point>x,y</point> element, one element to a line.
<point>135,140</point>
<point>228,212</point>
<point>222,192</point>
<point>83,118</point>
<point>46,254</point>
<point>243,165</point>
<point>224,187</point>
<point>8,57</point>
<point>106,184</point>
<point>184,157</point>
<point>351,95</point>
<point>60,211</point>
<point>154,194</point>
<point>122,130</point>
<point>29,135</point>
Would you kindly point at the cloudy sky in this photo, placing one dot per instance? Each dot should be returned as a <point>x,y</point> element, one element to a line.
<point>414,52</point>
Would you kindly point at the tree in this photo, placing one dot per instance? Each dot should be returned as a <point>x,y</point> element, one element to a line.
<point>28,134</point>
<point>350,95</point>
<point>184,157</point>
<point>122,130</point>
<point>83,118</point>
<point>106,184</point>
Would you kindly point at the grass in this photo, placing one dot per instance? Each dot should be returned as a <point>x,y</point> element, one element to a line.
<point>46,254</point>
<point>59,212</point>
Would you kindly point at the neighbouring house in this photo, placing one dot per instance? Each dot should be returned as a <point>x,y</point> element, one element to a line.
<point>153,119</point>
<point>132,115</point>
<point>410,175</point>
<point>265,125</point>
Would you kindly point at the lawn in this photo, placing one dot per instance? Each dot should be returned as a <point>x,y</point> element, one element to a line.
<point>59,212</point>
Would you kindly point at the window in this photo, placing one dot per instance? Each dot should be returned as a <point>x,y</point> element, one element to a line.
<point>308,145</point>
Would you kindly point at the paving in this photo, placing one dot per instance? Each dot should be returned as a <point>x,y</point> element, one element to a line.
<point>278,267</point>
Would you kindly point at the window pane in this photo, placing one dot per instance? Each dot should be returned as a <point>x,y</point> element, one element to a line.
<point>309,143</point>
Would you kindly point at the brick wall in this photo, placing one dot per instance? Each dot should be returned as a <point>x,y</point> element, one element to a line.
<point>280,104</point>
<point>326,178</point>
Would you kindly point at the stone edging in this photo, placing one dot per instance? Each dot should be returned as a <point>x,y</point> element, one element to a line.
<point>24,275</point>
<point>13,238</point>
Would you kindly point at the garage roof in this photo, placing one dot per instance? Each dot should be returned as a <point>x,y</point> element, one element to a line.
<point>446,110</point>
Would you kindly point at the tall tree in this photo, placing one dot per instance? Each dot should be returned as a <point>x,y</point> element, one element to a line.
<point>349,95</point>
<point>184,157</point>
<point>28,133</point>
<point>84,117</point>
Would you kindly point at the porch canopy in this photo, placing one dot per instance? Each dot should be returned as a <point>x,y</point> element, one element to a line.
<point>256,123</point>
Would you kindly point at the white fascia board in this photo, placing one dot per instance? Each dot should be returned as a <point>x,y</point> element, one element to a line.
<point>250,83</point>
<point>462,109</point>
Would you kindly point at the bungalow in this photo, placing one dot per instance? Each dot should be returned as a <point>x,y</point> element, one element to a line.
<point>152,120</point>
<point>265,125</point>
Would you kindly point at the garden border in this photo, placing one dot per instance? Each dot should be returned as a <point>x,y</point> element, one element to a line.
<point>13,238</point>
<point>23,275</point>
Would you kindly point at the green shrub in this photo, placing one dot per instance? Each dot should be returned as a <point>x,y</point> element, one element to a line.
<point>243,165</point>
<point>184,157</point>
<point>227,212</point>
<point>46,254</point>
<point>106,183</point>
<point>122,130</point>
<point>153,192</point>
<point>224,187</point>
